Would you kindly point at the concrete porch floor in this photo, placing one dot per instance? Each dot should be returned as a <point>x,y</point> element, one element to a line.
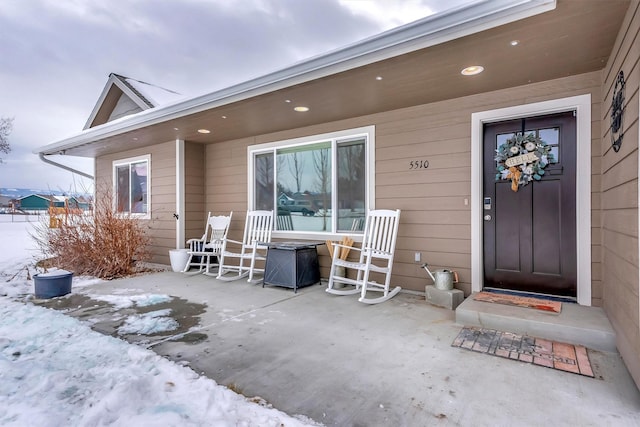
<point>344,363</point>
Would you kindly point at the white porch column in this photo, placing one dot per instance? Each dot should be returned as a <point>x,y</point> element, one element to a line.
<point>180,190</point>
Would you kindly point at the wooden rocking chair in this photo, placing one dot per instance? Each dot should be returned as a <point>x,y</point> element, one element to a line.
<point>376,255</point>
<point>257,230</point>
<point>202,250</point>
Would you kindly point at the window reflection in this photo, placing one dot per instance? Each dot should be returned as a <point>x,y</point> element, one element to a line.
<point>302,185</point>
<point>502,138</point>
<point>552,137</point>
<point>131,187</point>
<point>351,185</point>
<point>263,165</point>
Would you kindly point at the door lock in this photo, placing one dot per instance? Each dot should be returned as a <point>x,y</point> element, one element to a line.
<point>487,203</point>
<point>487,217</point>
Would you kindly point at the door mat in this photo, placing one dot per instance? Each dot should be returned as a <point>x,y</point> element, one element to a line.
<point>538,351</point>
<point>559,298</point>
<point>519,301</point>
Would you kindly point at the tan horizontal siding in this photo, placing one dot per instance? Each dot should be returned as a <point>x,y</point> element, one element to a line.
<point>194,192</point>
<point>619,202</point>
<point>162,198</point>
<point>435,219</point>
<point>460,188</point>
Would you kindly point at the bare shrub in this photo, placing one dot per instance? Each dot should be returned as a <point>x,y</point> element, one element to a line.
<point>101,243</point>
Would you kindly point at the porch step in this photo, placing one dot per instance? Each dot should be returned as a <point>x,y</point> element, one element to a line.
<point>576,324</point>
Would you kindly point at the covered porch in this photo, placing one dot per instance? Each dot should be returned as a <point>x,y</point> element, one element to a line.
<point>340,362</point>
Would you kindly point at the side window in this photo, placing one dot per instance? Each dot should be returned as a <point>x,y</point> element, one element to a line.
<point>131,185</point>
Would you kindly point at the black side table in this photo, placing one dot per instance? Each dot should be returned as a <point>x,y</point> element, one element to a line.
<point>292,264</point>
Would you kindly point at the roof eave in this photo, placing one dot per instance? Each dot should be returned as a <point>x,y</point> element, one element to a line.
<point>463,21</point>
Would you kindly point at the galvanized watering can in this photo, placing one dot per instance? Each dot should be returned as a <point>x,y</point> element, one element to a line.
<point>442,279</point>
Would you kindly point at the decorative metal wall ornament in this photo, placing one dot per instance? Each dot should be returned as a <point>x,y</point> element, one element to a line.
<point>617,112</point>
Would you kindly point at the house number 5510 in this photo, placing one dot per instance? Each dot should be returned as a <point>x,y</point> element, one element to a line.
<point>418,164</point>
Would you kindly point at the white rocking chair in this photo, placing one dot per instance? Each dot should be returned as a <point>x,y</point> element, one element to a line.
<point>209,246</point>
<point>376,255</point>
<point>257,230</point>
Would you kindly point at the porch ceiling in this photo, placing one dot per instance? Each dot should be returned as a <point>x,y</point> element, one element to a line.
<point>577,37</point>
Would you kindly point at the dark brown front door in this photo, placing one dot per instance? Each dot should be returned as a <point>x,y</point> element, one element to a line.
<point>530,235</point>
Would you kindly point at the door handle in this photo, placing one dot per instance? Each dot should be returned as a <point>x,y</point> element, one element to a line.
<point>487,217</point>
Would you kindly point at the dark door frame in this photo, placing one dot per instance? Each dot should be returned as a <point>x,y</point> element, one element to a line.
<point>582,105</point>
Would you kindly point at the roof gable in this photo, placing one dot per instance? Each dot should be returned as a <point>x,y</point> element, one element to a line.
<point>36,197</point>
<point>123,96</point>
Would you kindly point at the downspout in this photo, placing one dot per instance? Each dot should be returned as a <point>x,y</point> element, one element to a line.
<point>60,165</point>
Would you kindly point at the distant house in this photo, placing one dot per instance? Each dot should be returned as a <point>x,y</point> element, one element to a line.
<point>57,201</point>
<point>35,202</point>
<point>42,202</point>
<point>5,202</point>
<point>283,200</point>
<point>79,202</point>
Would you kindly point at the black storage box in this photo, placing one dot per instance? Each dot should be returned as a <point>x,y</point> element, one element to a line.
<point>292,265</point>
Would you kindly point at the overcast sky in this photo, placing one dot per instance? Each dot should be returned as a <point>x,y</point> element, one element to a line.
<point>56,56</point>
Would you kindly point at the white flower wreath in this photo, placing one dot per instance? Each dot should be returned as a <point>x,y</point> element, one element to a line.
<point>522,159</point>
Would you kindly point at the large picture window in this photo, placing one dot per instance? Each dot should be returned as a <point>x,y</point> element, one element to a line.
<point>317,184</point>
<point>131,185</point>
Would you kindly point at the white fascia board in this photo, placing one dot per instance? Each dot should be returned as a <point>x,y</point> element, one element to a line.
<point>430,31</point>
<point>99,102</point>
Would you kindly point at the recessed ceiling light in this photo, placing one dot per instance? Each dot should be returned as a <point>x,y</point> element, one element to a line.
<point>514,42</point>
<point>135,139</point>
<point>176,129</point>
<point>224,117</point>
<point>378,77</point>
<point>472,70</point>
<point>204,131</point>
<point>287,101</point>
<point>301,109</point>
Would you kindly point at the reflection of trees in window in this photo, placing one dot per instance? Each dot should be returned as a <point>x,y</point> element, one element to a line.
<point>296,164</point>
<point>351,180</point>
<point>351,169</point>
<point>322,166</point>
<point>264,181</point>
<point>138,187</point>
<point>122,188</point>
<point>131,187</point>
<point>300,180</point>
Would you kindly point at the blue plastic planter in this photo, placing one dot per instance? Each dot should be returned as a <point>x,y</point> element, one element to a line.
<point>53,284</point>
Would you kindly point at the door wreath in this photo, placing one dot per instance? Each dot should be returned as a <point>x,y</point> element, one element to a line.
<point>522,159</point>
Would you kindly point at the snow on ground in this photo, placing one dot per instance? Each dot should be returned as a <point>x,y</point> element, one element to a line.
<point>54,370</point>
<point>149,323</point>
<point>124,301</point>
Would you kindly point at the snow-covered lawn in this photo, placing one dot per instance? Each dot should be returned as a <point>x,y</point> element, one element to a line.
<point>54,370</point>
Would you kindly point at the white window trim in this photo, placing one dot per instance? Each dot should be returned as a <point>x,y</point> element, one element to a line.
<point>128,161</point>
<point>368,131</point>
<point>582,105</point>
